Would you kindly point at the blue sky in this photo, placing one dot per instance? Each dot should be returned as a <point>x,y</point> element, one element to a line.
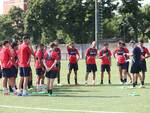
<point>1,4</point>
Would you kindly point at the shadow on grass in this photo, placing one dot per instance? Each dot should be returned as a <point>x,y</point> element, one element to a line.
<point>76,96</point>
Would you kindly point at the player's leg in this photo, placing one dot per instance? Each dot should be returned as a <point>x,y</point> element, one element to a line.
<point>120,73</point>
<point>42,77</point>
<point>38,78</point>
<point>102,73</point>
<point>51,84</point>
<point>69,72</point>
<point>75,77</point>
<point>88,70</point>
<point>109,73</point>
<point>58,76</point>
<point>52,75</point>
<point>12,84</point>
<point>26,72</point>
<point>5,90</point>
<point>94,69</point>
<point>6,74</point>
<point>94,77</point>
<point>30,84</point>
<point>48,85</point>
<point>75,73</point>
<point>124,71</point>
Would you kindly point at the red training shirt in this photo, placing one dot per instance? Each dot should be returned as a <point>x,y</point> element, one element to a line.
<point>25,55</point>
<point>50,57</point>
<point>106,56</point>
<point>91,54</point>
<point>6,61</point>
<point>72,52</point>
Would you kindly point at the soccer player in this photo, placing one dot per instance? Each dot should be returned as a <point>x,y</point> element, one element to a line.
<point>25,52</point>
<point>0,62</point>
<point>145,55</point>
<point>73,61</point>
<point>40,70</point>
<point>58,50</point>
<point>127,62</point>
<point>136,64</point>
<point>50,60</point>
<point>120,54</point>
<point>14,49</point>
<point>105,56</point>
<point>91,66</point>
<point>6,62</point>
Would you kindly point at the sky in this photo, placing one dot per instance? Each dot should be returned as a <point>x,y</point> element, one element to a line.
<point>1,4</point>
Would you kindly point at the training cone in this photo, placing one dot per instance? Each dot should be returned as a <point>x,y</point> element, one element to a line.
<point>133,94</point>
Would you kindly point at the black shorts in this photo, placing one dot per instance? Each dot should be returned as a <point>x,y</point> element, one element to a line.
<point>143,66</point>
<point>127,66</point>
<point>91,68</point>
<point>51,74</point>
<point>40,72</point>
<point>122,66</point>
<point>0,73</point>
<point>135,67</point>
<point>25,71</point>
<point>58,65</point>
<point>105,67</point>
<point>73,66</point>
<point>7,73</point>
<point>14,71</point>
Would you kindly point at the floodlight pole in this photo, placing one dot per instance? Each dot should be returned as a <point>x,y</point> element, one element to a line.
<point>96,22</point>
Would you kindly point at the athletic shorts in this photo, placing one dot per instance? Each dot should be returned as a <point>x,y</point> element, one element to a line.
<point>25,71</point>
<point>58,65</point>
<point>14,71</point>
<point>73,66</point>
<point>7,73</point>
<point>122,66</point>
<point>91,68</point>
<point>105,67</point>
<point>51,74</point>
<point>135,67</point>
<point>0,73</point>
<point>143,66</point>
<point>40,72</point>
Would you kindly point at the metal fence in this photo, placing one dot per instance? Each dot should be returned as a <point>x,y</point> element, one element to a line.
<point>82,49</point>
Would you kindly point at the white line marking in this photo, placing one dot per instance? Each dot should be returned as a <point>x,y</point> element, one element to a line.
<point>55,110</point>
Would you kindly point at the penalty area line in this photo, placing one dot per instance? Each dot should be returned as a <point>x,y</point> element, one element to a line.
<point>55,110</point>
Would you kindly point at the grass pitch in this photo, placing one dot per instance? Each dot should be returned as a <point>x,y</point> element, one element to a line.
<point>83,99</point>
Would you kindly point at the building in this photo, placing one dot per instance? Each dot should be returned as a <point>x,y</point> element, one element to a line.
<point>7,5</point>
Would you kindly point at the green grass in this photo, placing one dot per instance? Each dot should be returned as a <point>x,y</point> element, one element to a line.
<point>96,98</point>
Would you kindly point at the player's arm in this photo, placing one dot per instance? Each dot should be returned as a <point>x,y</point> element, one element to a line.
<point>44,62</point>
<point>100,56</point>
<point>56,57</point>
<point>147,53</point>
<point>78,55</point>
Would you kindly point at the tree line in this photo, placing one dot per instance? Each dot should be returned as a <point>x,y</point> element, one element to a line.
<point>74,20</point>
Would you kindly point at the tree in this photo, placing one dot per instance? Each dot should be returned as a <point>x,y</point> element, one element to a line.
<point>6,29</point>
<point>16,15</point>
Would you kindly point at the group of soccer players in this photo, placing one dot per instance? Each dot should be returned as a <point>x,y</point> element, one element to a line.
<point>47,62</point>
